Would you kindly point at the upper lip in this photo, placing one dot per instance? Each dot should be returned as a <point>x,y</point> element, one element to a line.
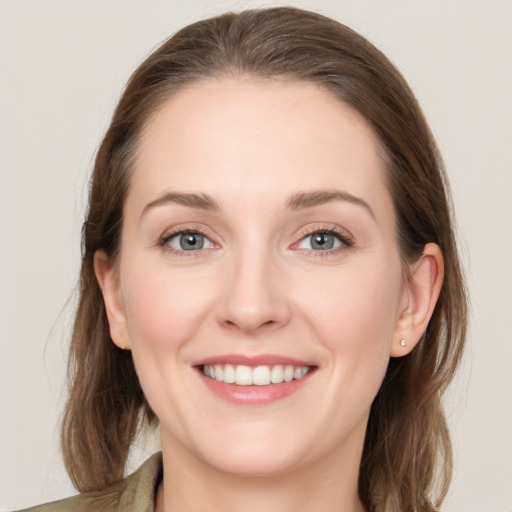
<point>253,360</point>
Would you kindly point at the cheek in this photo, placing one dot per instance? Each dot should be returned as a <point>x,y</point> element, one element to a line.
<point>164,309</point>
<point>359,306</point>
<point>358,333</point>
<point>354,317</point>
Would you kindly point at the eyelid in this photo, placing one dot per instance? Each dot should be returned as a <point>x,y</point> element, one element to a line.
<point>164,239</point>
<point>345,237</point>
<point>180,234</point>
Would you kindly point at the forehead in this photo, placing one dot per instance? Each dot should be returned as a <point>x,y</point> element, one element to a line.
<point>257,136</point>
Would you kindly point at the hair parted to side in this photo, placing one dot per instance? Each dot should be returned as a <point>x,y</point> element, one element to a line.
<point>407,444</point>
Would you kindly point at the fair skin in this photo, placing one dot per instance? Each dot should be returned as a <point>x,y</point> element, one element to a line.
<point>259,231</point>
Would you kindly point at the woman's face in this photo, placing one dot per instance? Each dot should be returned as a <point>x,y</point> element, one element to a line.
<point>258,243</point>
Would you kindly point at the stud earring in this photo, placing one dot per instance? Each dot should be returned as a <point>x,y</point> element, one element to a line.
<point>403,343</point>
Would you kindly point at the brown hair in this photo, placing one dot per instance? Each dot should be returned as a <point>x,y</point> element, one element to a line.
<point>407,443</point>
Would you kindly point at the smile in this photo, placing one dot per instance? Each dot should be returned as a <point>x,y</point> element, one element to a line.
<point>262,375</point>
<point>255,379</point>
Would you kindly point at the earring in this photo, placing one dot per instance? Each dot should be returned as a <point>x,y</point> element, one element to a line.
<point>403,343</point>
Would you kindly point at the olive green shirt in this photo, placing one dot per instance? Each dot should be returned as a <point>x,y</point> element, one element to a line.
<point>136,493</point>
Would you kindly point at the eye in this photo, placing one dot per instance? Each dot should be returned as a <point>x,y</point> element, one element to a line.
<point>325,240</point>
<point>188,241</point>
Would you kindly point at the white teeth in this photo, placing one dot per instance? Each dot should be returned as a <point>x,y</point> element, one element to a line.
<point>300,372</point>
<point>219,372</point>
<point>277,375</point>
<point>243,375</point>
<point>229,374</point>
<point>289,373</point>
<point>262,375</point>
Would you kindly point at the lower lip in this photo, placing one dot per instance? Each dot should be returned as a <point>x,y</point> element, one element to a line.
<point>254,395</point>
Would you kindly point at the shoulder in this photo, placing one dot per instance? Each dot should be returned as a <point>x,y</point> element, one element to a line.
<point>57,506</point>
<point>136,493</point>
<point>87,502</point>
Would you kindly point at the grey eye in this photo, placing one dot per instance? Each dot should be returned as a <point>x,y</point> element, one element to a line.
<point>189,242</point>
<point>320,242</point>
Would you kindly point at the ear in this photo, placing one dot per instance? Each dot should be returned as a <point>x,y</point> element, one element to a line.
<point>108,280</point>
<point>423,285</point>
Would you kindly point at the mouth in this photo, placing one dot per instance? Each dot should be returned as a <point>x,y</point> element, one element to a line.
<point>254,381</point>
<point>262,375</point>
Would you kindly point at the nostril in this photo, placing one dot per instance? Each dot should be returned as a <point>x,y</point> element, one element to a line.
<point>246,324</point>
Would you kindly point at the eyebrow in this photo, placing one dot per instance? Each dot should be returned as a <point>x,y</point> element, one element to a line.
<point>297,201</point>
<point>200,201</point>
<point>302,200</point>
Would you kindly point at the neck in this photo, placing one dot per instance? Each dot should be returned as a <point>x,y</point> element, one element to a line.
<point>190,485</point>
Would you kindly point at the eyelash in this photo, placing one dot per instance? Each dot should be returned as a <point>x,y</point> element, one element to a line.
<point>164,242</point>
<point>345,238</point>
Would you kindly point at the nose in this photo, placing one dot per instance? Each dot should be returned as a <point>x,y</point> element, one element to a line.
<point>254,299</point>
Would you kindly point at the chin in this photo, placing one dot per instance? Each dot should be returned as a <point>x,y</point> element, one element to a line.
<point>247,449</point>
<point>253,461</point>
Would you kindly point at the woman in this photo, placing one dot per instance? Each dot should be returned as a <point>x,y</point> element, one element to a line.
<point>269,272</point>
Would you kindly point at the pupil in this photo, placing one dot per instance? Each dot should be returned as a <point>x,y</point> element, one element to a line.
<point>191,241</point>
<point>322,241</point>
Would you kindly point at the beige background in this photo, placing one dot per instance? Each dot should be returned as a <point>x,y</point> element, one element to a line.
<point>63,64</point>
